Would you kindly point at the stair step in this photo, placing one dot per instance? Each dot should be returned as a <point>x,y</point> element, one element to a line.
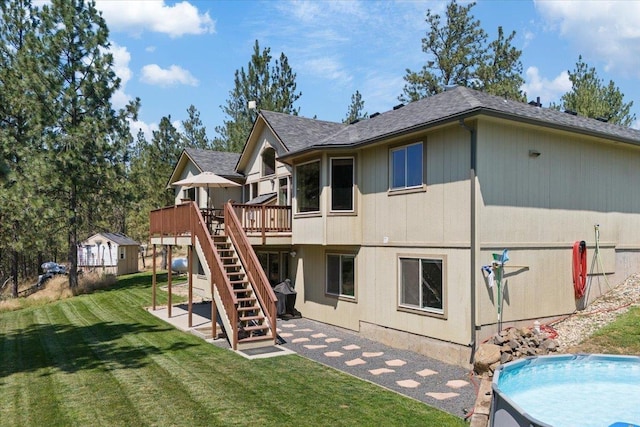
<point>247,299</point>
<point>255,328</point>
<point>249,308</point>
<point>265,337</point>
<point>238,282</point>
<point>257,318</point>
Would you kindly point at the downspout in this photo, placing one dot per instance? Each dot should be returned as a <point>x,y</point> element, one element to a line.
<point>474,237</point>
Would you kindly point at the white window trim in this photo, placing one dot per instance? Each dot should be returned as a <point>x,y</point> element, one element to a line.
<point>353,187</point>
<point>406,187</point>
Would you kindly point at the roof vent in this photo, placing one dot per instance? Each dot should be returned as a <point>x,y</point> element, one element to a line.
<point>374,115</point>
<point>450,87</point>
<point>573,113</point>
<point>602,119</point>
<point>399,106</point>
<point>536,103</point>
<point>354,121</point>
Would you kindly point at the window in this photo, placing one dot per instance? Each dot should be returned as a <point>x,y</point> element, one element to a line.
<point>122,252</point>
<point>308,187</point>
<point>270,262</point>
<point>283,191</point>
<point>406,166</point>
<point>268,161</point>
<point>342,184</point>
<point>421,284</point>
<point>341,275</point>
<point>254,190</point>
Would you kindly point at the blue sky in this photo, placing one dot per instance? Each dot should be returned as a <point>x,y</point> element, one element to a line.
<point>174,54</point>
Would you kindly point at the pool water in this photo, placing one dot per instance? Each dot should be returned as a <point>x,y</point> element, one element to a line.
<point>580,391</point>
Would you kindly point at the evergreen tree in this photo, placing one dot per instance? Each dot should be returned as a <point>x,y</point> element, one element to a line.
<point>501,72</point>
<point>22,189</point>
<point>83,141</point>
<point>194,133</point>
<point>355,111</point>
<point>591,97</point>
<point>164,151</point>
<point>271,87</point>
<point>459,55</point>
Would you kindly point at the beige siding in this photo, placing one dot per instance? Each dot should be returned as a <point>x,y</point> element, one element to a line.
<point>253,171</point>
<point>539,206</point>
<point>439,215</point>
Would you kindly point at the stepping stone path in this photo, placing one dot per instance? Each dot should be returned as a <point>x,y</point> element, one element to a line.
<point>447,387</point>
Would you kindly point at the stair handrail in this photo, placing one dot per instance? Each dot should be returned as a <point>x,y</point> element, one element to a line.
<point>254,270</point>
<point>218,275</point>
<point>186,218</point>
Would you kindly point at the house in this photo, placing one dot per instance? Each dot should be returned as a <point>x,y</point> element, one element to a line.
<point>390,220</point>
<point>112,253</point>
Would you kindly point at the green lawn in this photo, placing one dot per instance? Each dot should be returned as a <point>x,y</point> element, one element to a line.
<point>619,337</point>
<point>101,359</point>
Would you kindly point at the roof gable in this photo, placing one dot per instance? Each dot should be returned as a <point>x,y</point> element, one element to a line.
<point>219,162</point>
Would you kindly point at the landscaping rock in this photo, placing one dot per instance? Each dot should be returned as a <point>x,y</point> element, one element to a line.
<point>487,355</point>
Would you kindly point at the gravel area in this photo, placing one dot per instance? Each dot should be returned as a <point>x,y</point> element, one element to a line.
<point>572,330</point>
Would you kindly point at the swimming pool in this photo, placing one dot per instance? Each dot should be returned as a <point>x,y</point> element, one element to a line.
<point>567,391</point>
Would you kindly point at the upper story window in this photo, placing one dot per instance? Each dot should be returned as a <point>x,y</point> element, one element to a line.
<point>342,188</point>
<point>406,166</point>
<point>268,161</point>
<point>308,187</point>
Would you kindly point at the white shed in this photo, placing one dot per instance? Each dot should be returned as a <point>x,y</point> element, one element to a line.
<point>112,253</point>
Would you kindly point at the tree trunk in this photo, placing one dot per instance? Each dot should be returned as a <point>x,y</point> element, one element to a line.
<point>73,240</point>
<point>14,273</point>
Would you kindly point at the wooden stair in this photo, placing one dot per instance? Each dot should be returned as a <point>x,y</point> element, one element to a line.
<point>253,327</point>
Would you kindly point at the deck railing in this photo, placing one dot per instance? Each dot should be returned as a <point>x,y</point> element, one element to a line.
<point>264,219</point>
<point>252,267</point>
<point>186,219</point>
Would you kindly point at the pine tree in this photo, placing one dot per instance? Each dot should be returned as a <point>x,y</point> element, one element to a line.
<point>194,133</point>
<point>459,55</point>
<point>271,87</point>
<point>23,209</point>
<point>83,140</point>
<point>355,111</point>
<point>591,97</point>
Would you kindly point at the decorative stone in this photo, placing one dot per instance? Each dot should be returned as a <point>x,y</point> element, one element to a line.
<point>486,355</point>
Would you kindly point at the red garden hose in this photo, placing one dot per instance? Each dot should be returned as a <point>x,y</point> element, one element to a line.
<point>579,268</point>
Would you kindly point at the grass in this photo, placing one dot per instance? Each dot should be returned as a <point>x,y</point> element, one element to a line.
<point>619,337</point>
<point>101,359</point>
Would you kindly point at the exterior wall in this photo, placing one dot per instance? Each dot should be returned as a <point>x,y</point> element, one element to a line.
<point>189,169</point>
<point>431,222</point>
<point>253,172</point>
<point>537,207</point>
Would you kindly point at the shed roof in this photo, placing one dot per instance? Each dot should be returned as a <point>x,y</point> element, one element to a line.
<point>117,238</point>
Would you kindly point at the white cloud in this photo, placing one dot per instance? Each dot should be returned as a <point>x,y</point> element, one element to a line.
<point>548,90</point>
<point>147,128</point>
<point>327,68</point>
<point>121,58</point>
<point>153,74</point>
<point>605,30</point>
<point>136,16</point>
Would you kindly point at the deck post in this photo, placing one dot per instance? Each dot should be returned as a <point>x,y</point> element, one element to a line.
<point>153,279</point>
<point>190,279</point>
<point>169,253</point>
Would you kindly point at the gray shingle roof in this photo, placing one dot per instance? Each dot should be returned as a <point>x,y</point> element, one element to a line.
<point>219,162</point>
<point>298,133</point>
<point>445,107</point>
<point>120,239</point>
